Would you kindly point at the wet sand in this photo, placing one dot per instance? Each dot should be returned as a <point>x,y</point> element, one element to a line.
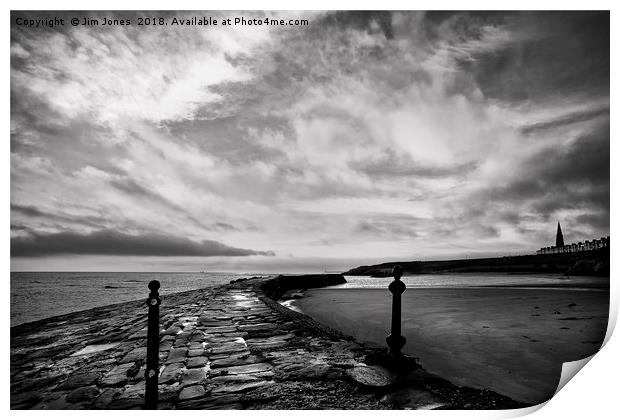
<point>509,340</point>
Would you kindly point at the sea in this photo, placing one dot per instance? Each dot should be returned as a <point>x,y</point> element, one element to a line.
<point>477,280</point>
<point>38,295</point>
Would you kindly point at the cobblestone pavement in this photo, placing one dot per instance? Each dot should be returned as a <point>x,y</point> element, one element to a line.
<point>220,348</point>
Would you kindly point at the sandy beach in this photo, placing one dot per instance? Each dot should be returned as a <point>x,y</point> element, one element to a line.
<point>509,340</point>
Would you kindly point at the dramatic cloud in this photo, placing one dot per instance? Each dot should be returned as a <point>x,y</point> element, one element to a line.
<point>361,135</point>
<point>390,165</point>
<point>110,242</point>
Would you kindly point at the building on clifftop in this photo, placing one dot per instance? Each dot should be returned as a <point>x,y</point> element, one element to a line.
<point>559,238</point>
<point>561,248</point>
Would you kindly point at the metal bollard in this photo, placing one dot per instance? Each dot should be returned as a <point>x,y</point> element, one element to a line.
<point>152,348</point>
<point>395,340</point>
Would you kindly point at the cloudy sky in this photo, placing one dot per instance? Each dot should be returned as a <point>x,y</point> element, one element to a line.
<point>360,138</point>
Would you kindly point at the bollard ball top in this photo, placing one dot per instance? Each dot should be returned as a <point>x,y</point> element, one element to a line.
<point>154,285</point>
<point>397,272</point>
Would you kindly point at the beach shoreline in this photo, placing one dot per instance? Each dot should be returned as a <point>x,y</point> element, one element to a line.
<point>509,339</point>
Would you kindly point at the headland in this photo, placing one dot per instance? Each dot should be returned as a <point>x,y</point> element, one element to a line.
<point>592,263</point>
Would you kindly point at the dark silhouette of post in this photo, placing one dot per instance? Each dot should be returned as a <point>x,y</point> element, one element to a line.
<point>152,348</point>
<point>395,340</point>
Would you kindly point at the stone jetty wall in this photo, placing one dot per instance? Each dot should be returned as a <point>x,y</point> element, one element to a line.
<point>277,286</point>
<point>227,347</point>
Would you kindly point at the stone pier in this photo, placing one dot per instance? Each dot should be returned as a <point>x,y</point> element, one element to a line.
<point>227,347</point>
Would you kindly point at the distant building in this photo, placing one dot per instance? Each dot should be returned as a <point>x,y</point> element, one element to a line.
<point>561,248</point>
<point>559,238</point>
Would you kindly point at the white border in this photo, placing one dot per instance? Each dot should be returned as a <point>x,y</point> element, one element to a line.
<point>592,394</point>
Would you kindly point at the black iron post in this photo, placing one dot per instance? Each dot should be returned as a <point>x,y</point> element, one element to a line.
<point>152,348</point>
<point>395,340</point>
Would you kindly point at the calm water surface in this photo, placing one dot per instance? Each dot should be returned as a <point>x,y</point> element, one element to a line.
<point>36,296</point>
<point>476,279</point>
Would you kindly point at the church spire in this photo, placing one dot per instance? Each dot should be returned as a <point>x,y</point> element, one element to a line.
<point>559,238</point>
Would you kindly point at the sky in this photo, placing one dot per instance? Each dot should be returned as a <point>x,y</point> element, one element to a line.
<point>361,138</point>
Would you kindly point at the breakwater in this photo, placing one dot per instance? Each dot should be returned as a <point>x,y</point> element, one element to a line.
<point>277,286</point>
<point>228,347</point>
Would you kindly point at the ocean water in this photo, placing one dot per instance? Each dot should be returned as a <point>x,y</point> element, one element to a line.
<point>477,279</point>
<point>37,296</point>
